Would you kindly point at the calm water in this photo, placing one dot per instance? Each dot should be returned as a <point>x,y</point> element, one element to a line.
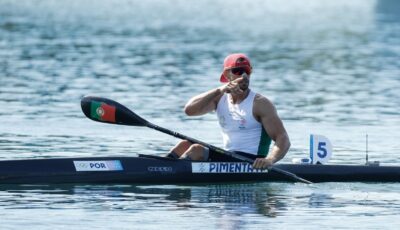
<point>330,67</point>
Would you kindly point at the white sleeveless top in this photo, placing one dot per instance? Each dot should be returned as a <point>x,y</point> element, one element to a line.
<point>240,130</point>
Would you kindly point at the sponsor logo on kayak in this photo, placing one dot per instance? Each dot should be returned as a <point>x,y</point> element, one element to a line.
<point>159,169</point>
<point>224,167</point>
<point>113,165</point>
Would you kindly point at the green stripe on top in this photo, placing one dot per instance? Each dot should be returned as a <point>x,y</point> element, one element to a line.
<point>94,110</point>
<point>265,142</point>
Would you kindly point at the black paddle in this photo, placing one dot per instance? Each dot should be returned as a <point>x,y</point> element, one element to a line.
<point>109,111</point>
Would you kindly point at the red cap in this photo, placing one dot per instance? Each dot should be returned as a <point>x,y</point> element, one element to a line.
<point>235,60</point>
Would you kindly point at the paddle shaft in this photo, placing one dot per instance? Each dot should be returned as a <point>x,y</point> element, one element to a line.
<point>225,152</point>
<point>211,147</point>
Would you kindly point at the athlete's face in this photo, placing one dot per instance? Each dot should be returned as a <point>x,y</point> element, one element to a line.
<point>236,73</point>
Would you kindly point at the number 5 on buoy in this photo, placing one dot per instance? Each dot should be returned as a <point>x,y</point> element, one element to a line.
<point>320,149</point>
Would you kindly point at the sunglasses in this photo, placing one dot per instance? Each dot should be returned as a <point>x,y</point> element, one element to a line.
<point>238,70</point>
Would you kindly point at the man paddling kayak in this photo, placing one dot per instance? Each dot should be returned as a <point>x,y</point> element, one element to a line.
<point>248,120</point>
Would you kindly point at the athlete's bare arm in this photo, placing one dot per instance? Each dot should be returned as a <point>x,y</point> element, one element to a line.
<point>266,113</point>
<point>207,102</point>
<point>203,103</point>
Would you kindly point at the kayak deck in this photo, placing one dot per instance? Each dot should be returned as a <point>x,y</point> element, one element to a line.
<point>146,169</point>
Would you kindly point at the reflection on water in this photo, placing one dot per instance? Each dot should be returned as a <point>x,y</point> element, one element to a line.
<point>232,205</point>
<point>249,198</point>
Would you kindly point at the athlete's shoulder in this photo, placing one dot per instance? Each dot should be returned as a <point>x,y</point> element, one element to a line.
<point>262,105</point>
<point>261,100</point>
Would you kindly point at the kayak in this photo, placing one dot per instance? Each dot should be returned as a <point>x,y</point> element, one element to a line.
<point>149,169</point>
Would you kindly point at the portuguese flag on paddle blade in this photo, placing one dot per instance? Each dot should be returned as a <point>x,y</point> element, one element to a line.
<point>101,111</point>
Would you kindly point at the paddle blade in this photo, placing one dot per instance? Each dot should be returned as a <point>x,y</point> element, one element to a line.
<point>109,111</point>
